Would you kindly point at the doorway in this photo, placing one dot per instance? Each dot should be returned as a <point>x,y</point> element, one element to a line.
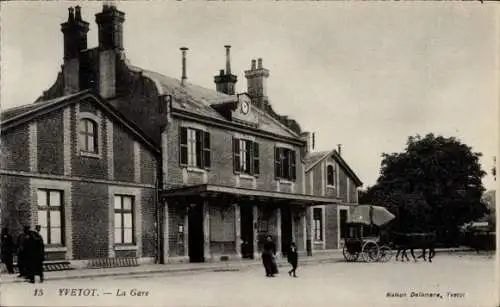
<point>286,229</point>
<point>195,234</point>
<point>246,216</point>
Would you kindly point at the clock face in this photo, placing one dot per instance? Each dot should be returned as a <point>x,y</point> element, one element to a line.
<point>245,107</point>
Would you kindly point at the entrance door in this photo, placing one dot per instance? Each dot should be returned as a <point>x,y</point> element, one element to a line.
<point>246,216</point>
<point>195,233</point>
<point>286,229</point>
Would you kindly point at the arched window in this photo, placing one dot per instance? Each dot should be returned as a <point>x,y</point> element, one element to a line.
<point>88,135</point>
<point>329,175</point>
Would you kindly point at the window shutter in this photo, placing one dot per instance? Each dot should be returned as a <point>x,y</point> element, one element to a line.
<point>199,148</point>
<point>236,155</point>
<point>206,150</point>
<point>183,152</point>
<point>293,168</point>
<point>256,168</point>
<point>277,162</point>
<point>248,156</point>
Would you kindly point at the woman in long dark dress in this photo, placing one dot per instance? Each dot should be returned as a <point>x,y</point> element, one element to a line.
<point>268,252</point>
<point>293,258</point>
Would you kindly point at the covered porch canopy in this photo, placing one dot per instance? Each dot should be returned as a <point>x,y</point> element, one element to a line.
<point>233,193</point>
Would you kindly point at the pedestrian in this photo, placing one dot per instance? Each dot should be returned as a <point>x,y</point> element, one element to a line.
<point>268,253</point>
<point>21,252</point>
<point>8,248</point>
<point>35,254</point>
<point>293,259</point>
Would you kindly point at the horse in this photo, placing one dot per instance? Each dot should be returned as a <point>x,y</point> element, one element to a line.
<point>412,241</point>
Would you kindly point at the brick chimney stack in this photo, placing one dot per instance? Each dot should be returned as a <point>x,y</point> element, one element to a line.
<point>75,41</point>
<point>225,82</point>
<point>110,23</point>
<point>257,83</point>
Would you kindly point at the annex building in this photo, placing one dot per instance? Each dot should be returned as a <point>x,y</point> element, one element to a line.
<point>115,161</point>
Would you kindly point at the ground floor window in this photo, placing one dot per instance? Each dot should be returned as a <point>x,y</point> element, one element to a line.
<point>124,219</point>
<point>318,224</point>
<point>50,216</point>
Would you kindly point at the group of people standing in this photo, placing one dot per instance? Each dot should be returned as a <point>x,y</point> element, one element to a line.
<point>30,250</point>
<point>269,261</point>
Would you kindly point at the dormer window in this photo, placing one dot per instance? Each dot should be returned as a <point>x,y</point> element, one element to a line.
<point>88,136</point>
<point>330,175</point>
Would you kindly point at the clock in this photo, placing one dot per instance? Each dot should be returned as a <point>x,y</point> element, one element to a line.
<point>245,107</point>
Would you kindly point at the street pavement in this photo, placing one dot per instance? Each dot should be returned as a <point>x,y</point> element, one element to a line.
<point>454,280</point>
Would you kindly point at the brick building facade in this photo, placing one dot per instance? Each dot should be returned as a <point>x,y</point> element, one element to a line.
<point>228,169</point>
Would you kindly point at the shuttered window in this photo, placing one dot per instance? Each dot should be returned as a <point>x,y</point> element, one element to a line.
<point>285,163</point>
<point>194,148</point>
<point>245,157</point>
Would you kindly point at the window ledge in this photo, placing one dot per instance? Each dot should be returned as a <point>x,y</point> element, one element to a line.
<point>285,181</point>
<point>318,242</point>
<point>246,176</point>
<point>56,249</point>
<point>90,154</point>
<point>196,170</point>
<point>125,247</point>
<point>331,186</point>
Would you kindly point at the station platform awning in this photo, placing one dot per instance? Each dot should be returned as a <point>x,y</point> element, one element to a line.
<point>233,193</point>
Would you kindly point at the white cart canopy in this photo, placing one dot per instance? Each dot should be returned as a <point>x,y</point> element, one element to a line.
<point>369,214</point>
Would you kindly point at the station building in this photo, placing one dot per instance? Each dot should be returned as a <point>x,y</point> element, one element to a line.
<point>116,161</point>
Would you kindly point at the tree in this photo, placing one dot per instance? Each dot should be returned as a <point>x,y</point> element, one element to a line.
<point>435,183</point>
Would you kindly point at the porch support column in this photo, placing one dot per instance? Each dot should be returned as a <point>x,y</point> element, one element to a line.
<point>254,226</point>
<point>278,232</point>
<point>237,229</point>
<point>166,232</point>
<point>206,230</point>
<point>304,227</point>
<point>309,221</point>
<point>186,235</point>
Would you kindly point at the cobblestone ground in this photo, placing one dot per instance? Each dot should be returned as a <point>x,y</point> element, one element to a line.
<point>470,278</point>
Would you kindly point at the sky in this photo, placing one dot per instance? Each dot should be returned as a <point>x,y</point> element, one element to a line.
<point>362,74</point>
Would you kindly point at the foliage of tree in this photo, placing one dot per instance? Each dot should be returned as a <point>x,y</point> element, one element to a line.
<point>434,184</point>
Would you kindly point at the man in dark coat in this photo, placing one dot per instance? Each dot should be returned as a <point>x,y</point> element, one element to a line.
<point>268,252</point>
<point>21,251</point>
<point>35,249</point>
<point>8,250</point>
<point>293,258</point>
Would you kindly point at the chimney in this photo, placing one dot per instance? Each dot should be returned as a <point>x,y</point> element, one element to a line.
<point>306,136</point>
<point>228,59</point>
<point>75,41</point>
<point>339,149</point>
<point>257,83</point>
<point>110,23</point>
<point>313,141</point>
<point>110,32</point>
<point>184,76</point>
<point>225,81</point>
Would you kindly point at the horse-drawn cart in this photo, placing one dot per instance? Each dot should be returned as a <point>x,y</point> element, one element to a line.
<point>363,238</point>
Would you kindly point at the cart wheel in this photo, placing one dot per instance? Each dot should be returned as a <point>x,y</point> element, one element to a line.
<point>385,253</point>
<point>370,251</point>
<point>349,257</point>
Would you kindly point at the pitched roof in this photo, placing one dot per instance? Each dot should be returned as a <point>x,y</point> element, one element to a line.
<point>200,100</point>
<point>313,158</point>
<point>13,117</point>
<point>11,113</point>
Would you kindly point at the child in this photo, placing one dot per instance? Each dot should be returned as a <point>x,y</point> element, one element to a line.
<point>293,258</point>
